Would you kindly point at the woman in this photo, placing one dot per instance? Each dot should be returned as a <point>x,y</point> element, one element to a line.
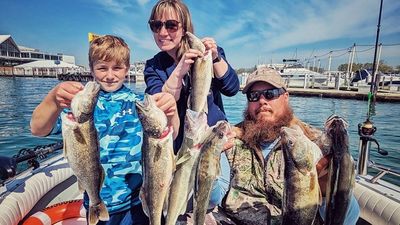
<point>168,70</point>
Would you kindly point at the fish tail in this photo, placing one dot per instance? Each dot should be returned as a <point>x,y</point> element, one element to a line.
<point>98,212</point>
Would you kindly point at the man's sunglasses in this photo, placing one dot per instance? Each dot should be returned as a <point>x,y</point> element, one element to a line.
<point>170,25</point>
<point>269,94</point>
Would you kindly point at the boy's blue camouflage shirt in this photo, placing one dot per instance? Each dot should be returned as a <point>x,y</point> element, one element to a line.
<point>120,139</point>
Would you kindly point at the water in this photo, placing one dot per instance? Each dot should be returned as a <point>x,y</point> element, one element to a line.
<point>19,97</point>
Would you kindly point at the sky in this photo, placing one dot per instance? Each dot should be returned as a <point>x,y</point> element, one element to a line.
<point>251,32</point>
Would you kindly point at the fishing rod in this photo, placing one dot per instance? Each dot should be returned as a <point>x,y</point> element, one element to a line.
<point>8,165</point>
<point>367,129</point>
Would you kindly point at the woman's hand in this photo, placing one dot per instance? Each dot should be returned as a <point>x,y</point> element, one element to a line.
<point>211,45</point>
<point>186,61</point>
<point>65,91</point>
<point>166,102</point>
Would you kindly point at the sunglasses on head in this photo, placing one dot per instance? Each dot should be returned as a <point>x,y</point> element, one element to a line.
<point>170,25</point>
<point>269,94</point>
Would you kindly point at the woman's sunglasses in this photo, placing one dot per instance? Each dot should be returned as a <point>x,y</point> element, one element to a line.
<point>170,25</point>
<point>269,94</point>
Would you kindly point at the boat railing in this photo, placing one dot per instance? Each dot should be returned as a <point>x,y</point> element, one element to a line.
<point>382,171</point>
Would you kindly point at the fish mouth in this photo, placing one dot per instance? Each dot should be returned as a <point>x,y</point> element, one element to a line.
<point>143,105</point>
<point>70,116</point>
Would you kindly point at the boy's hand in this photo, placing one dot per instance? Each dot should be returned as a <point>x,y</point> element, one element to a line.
<point>65,91</point>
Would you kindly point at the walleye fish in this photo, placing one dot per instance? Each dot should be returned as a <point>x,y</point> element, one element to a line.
<point>341,174</point>
<point>182,184</point>
<point>201,76</point>
<point>301,193</point>
<point>208,168</point>
<point>157,158</point>
<point>82,150</point>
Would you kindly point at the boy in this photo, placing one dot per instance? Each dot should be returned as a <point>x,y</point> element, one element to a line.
<point>117,124</point>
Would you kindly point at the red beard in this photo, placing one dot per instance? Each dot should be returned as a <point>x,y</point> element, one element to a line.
<point>257,130</point>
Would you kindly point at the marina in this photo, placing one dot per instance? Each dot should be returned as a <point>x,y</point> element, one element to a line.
<point>18,102</point>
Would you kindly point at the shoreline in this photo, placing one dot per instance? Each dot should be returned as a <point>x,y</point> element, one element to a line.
<point>381,96</point>
<point>353,93</point>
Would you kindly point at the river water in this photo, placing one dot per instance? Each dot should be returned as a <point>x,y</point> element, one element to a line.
<point>19,97</point>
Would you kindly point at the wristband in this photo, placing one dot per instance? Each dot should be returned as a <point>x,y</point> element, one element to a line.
<point>218,59</point>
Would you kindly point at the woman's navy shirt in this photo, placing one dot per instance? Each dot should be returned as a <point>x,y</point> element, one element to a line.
<point>160,67</point>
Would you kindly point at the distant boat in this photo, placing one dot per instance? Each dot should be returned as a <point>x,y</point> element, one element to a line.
<point>365,76</point>
<point>295,75</point>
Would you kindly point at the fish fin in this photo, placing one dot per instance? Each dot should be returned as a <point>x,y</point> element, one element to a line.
<point>165,206</point>
<point>320,197</point>
<point>205,109</point>
<point>102,176</point>
<point>80,187</point>
<point>98,212</point>
<point>142,197</point>
<point>65,149</point>
<point>79,136</point>
<point>185,157</point>
<point>157,154</point>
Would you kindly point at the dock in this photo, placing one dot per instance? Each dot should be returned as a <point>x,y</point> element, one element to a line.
<point>382,96</point>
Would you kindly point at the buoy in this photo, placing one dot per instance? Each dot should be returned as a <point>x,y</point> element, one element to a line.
<point>58,212</point>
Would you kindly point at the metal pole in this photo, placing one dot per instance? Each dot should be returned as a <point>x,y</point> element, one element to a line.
<point>313,65</point>
<point>347,80</point>
<point>329,67</point>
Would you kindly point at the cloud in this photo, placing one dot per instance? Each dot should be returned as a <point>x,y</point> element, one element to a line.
<point>139,39</point>
<point>118,6</point>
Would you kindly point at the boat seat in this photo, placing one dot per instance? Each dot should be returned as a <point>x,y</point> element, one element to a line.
<point>376,208</point>
<point>26,191</point>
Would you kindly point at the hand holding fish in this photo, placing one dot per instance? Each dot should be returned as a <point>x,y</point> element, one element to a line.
<point>211,45</point>
<point>186,61</point>
<point>166,102</point>
<point>65,91</point>
<point>231,135</point>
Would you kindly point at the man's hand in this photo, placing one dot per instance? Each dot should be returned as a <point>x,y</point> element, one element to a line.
<point>231,139</point>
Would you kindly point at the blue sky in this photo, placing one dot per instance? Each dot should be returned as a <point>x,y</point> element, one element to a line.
<point>251,32</point>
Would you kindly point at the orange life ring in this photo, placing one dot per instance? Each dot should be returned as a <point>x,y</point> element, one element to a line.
<point>58,212</point>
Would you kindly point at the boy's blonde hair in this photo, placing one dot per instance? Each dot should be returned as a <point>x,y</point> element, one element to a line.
<point>182,11</point>
<point>108,48</point>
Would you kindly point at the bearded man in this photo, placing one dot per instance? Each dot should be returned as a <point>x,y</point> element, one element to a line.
<point>256,160</point>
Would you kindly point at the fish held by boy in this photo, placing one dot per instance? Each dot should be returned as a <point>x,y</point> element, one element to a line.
<point>208,168</point>
<point>81,148</point>
<point>201,76</point>
<point>182,184</point>
<point>157,158</point>
<point>341,173</point>
<point>301,192</point>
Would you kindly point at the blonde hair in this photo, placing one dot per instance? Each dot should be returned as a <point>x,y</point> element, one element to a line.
<point>182,11</point>
<point>108,48</point>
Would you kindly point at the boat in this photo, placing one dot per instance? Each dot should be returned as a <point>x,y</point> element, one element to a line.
<point>51,183</point>
<point>364,76</point>
<point>297,76</point>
